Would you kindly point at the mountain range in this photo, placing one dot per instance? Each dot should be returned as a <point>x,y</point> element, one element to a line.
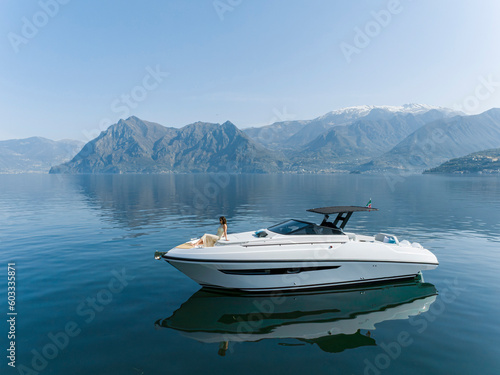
<point>438,141</point>
<point>364,139</point>
<point>137,146</point>
<point>347,146</point>
<point>35,154</point>
<point>293,134</point>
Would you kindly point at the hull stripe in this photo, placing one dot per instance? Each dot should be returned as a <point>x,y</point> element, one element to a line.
<point>276,271</point>
<point>173,259</point>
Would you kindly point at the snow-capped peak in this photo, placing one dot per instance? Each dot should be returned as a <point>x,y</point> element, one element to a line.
<point>363,110</point>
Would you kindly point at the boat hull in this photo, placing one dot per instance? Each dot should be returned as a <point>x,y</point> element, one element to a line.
<point>293,275</point>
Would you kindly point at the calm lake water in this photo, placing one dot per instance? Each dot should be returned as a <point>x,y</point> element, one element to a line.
<point>91,299</point>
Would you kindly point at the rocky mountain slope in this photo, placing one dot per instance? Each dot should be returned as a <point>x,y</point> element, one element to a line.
<point>294,135</point>
<point>438,141</point>
<point>276,135</point>
<point>372,135</point>
<point>136,146</point>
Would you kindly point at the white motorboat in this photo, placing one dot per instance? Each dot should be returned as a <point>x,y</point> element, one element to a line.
<point>297,254</point>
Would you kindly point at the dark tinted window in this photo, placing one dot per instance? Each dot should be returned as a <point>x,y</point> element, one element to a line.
<point>297,227</point>
<point>289,227</point>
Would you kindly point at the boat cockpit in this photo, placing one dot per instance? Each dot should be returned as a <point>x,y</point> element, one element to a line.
<point>299,227</point>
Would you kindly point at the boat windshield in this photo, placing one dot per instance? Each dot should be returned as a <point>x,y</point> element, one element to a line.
<point>297,227</point>
<point>292,227</point>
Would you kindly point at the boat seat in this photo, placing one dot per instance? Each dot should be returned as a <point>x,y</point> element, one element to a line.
<point>310,230</point>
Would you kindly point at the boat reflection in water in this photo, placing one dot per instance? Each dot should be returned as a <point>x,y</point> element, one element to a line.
<point>335,320</point>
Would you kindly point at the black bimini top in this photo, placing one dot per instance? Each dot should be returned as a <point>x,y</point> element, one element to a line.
<point>339,209</point>
<point>343,214</point>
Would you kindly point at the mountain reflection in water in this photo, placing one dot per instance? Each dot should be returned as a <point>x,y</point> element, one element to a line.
<point>335,320</point>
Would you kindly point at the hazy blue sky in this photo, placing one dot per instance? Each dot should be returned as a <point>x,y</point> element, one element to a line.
<point>69,68</point>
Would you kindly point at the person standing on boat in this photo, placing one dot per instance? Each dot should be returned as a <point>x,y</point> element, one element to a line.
<point>209,240</point>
